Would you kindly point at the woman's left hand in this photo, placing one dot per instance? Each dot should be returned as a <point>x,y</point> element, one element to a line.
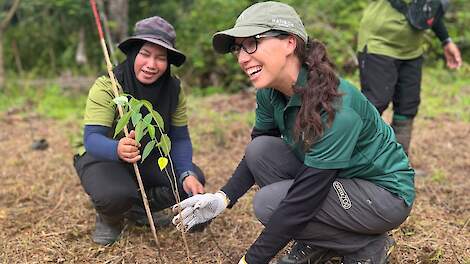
<point>192,185</point>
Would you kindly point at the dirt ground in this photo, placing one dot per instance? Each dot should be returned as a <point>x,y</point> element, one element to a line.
<point>45,216</point>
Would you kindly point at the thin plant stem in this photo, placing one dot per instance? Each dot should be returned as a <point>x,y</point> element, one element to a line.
<point>174,188</point>
<point>126,132</point>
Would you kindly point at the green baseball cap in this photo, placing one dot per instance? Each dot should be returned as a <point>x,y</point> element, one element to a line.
<point>260,18</point>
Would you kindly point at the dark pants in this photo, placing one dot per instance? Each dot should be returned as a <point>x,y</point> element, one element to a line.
<point>344,228</point>
<point>112,185</point>
<point>385,79</point>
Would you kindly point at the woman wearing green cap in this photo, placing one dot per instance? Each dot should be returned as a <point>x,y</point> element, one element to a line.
<point>332,176</point>
<point>104,163</point>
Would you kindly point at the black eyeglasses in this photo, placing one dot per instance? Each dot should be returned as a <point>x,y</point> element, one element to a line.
<point>250,45</point>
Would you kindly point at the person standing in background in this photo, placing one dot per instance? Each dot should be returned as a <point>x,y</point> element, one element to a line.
<point>390,55</point>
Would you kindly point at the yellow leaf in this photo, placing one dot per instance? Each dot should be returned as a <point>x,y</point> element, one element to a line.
<point>162,162</point>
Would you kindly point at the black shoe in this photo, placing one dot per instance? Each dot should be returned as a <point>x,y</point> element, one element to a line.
<point>376,253</point>
<point>107,229</point>
<point>160,198</point>
<point>302,253</point>
<point>138,216</point>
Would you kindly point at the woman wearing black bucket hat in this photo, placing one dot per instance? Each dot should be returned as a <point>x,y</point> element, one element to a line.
<point>332,176</point>
<point>104,164</point>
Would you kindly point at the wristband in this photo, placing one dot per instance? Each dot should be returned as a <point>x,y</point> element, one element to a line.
<point>186,174</point>
<point>226,199</point>
<point>446,41</point>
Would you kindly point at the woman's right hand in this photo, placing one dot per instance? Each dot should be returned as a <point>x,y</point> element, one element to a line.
<point>198,209</point>
<point>128,148</point>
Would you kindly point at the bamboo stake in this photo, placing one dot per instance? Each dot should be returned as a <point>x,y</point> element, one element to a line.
<point>126,132</point>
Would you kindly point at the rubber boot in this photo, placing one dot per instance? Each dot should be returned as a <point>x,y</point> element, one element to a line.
<point>403,129</point>
<point>107,229</point>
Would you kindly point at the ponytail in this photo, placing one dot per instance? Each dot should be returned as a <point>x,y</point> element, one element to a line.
<point>320,93</point>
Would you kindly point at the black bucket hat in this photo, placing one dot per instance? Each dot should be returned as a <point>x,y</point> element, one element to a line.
<point>158,31</point>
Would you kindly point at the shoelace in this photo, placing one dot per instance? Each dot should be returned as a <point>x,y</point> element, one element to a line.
<point>298,249</point>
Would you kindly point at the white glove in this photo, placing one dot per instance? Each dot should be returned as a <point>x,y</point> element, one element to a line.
<point>198,209</point>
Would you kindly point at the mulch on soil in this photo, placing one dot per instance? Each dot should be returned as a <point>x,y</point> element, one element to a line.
<point>45,216</point>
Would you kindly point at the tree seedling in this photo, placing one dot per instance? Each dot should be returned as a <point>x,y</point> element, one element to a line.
<point>144,126</point>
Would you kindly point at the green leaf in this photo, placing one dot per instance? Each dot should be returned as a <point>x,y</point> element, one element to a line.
<point>139,130</point>
<point>148,119</point>
<point>158,119</point>
<point>136,116</point>
<point>162,162</point>
<point>133,102</point>
<point>147,105</point>
<point>122,123</point>
<point>148,148</point>
<point>156,116</point>
<point>121,100</point>
<point>136,108</point>
<point>165,144</point>
<point>151,130</point>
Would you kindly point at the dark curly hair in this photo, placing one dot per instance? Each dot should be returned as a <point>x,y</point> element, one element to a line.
<point>320,93</point>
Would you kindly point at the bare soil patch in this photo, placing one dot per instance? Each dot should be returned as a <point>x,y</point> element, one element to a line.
<point>45,216</point>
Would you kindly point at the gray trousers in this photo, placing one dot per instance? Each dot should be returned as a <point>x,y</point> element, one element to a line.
<point>355,213</point>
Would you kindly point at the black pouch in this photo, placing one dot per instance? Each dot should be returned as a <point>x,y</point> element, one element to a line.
<point>421,14</point>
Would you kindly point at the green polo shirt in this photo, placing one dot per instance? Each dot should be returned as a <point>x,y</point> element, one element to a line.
<point>358,143</point>
<point>386,31</point>
<point>100,109</point>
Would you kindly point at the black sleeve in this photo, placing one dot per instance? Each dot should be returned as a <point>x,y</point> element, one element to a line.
<point>240,182</point>
<point>439,28</point>
<point>303,200</point>
<point>242,179</point>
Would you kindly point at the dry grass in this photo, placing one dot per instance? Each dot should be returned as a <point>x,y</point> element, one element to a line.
<point>45,217</point>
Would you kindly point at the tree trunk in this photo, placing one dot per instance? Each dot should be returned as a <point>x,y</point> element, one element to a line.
<point>2,71</point>
<point>17,55</point>
<point>80,55</point>
<point>3,25</point>
<point>118,12</point>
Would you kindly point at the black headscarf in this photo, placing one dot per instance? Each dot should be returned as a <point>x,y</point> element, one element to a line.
<point>163,93</point>
<point>125,75</point>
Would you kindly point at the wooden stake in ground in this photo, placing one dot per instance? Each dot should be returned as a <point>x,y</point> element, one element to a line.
<point>126,132</point>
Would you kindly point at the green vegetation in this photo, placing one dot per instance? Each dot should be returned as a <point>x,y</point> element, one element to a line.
<point>50,101</point>
<point>445,93</point>
<point>438,176</point>
<point>43,37</point>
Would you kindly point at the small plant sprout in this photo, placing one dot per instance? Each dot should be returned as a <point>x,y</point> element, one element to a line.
<point>144,126</point>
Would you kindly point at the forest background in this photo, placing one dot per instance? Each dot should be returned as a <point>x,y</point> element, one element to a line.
<point>47,39</point>
<point>50,55</point>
